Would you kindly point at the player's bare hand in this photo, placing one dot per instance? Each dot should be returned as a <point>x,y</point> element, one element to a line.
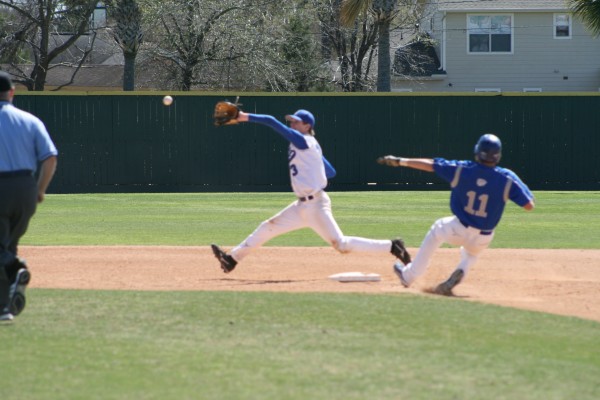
<point>390,161</point>
<point>242,117</point>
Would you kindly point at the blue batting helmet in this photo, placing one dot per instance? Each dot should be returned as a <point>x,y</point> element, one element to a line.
<point>488,148</point>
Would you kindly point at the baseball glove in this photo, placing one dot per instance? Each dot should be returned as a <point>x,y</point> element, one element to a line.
<point>226,113</point>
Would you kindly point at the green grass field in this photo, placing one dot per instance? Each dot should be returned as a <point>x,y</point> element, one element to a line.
<point>75,344</point>
<point>560,220</point>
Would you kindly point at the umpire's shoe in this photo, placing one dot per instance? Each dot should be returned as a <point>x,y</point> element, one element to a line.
<point>400,252</point>
<point>17,292</point>
<point>445,288</point>
<point>227,262</point>
<point>5,317</point>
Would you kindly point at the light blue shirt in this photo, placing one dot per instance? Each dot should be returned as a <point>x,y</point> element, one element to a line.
<point>24,140</point>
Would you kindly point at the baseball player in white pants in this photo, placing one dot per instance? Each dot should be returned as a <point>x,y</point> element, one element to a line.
<point>309,171</point>
<point>480,190</point>
<point>448,230</point>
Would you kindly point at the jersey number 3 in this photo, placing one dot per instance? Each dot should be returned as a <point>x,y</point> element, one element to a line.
<point>291,156</point>
<point>470,207</point>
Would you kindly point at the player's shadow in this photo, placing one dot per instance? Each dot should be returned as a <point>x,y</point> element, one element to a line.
<point>264,281</point>
<point>431,291</point>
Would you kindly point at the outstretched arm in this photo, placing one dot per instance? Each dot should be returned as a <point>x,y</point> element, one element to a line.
<point>423,164</point>
<point>291,135</point>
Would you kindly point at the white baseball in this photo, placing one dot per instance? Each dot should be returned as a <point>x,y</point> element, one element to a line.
<point>167,100</point>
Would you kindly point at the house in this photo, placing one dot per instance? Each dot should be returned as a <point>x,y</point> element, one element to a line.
<point>502,46</point>
<point>95,77</point>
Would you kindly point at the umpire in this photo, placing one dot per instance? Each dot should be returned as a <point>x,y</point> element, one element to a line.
<point>24,145</point>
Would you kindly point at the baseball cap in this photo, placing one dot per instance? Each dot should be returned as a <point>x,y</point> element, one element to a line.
<point>302,115</point>
<point>5,82</point>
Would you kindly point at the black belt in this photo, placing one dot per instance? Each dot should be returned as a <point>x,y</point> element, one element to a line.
<point>306,198</point>
<point>480,232</point>
<point>19,172</point>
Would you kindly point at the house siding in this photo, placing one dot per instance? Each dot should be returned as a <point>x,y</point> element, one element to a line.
<point>538,59</point>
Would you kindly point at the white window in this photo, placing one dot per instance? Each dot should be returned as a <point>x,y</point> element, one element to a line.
<point>532,89</point>
<point>495,90</point>
<point>562,26</point>
<point>490,33</point>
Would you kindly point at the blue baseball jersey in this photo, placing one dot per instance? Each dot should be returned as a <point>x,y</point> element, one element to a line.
<point>479,193</point>
<point>24,140</point>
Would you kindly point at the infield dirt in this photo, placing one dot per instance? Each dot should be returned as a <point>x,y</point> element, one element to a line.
<point>565,282</point>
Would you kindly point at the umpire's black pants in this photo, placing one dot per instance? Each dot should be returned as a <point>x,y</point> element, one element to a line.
<point>18,202</point>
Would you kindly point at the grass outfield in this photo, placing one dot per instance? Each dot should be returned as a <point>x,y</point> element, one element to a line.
<point>75,344</point>
<point>560,220</point>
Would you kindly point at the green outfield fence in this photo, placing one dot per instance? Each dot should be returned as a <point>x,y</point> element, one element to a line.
<point>130,142</point>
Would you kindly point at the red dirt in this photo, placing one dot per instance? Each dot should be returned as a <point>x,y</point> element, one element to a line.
<point>565,282</point>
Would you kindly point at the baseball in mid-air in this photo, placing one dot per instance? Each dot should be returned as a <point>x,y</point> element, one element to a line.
<point>167,100</point>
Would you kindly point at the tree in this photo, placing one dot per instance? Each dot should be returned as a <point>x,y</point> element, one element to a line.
<point>384,12</point>
<point>353,47</point>
<point>300,55</point>
<point>220,44</point>
<point>281,47</point>
<point>183,38</point>
<point>128,34</point>
<point>44,29</point>
<point>407,12</point>
<point>589,12</point>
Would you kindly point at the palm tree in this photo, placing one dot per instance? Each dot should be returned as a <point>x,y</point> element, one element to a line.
<point>128,35</point>
<point>589,12</point>
<point>384,12</point>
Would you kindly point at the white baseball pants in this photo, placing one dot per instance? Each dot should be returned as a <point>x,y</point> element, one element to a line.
<point>315,214</point>
<point>448,230</point>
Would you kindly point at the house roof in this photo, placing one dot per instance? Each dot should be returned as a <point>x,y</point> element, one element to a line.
<point>502,5</point>
<point>91,77</point>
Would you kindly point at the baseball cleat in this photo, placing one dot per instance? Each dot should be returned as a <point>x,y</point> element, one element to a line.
<point>445,288</point>
<point>227,262</point>
<point>399,269</point>
<point>400,252</point>
<point>6,318</point>
<point>17,292</point>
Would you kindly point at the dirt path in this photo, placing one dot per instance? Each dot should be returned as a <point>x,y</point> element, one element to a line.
<point>565,282</point>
